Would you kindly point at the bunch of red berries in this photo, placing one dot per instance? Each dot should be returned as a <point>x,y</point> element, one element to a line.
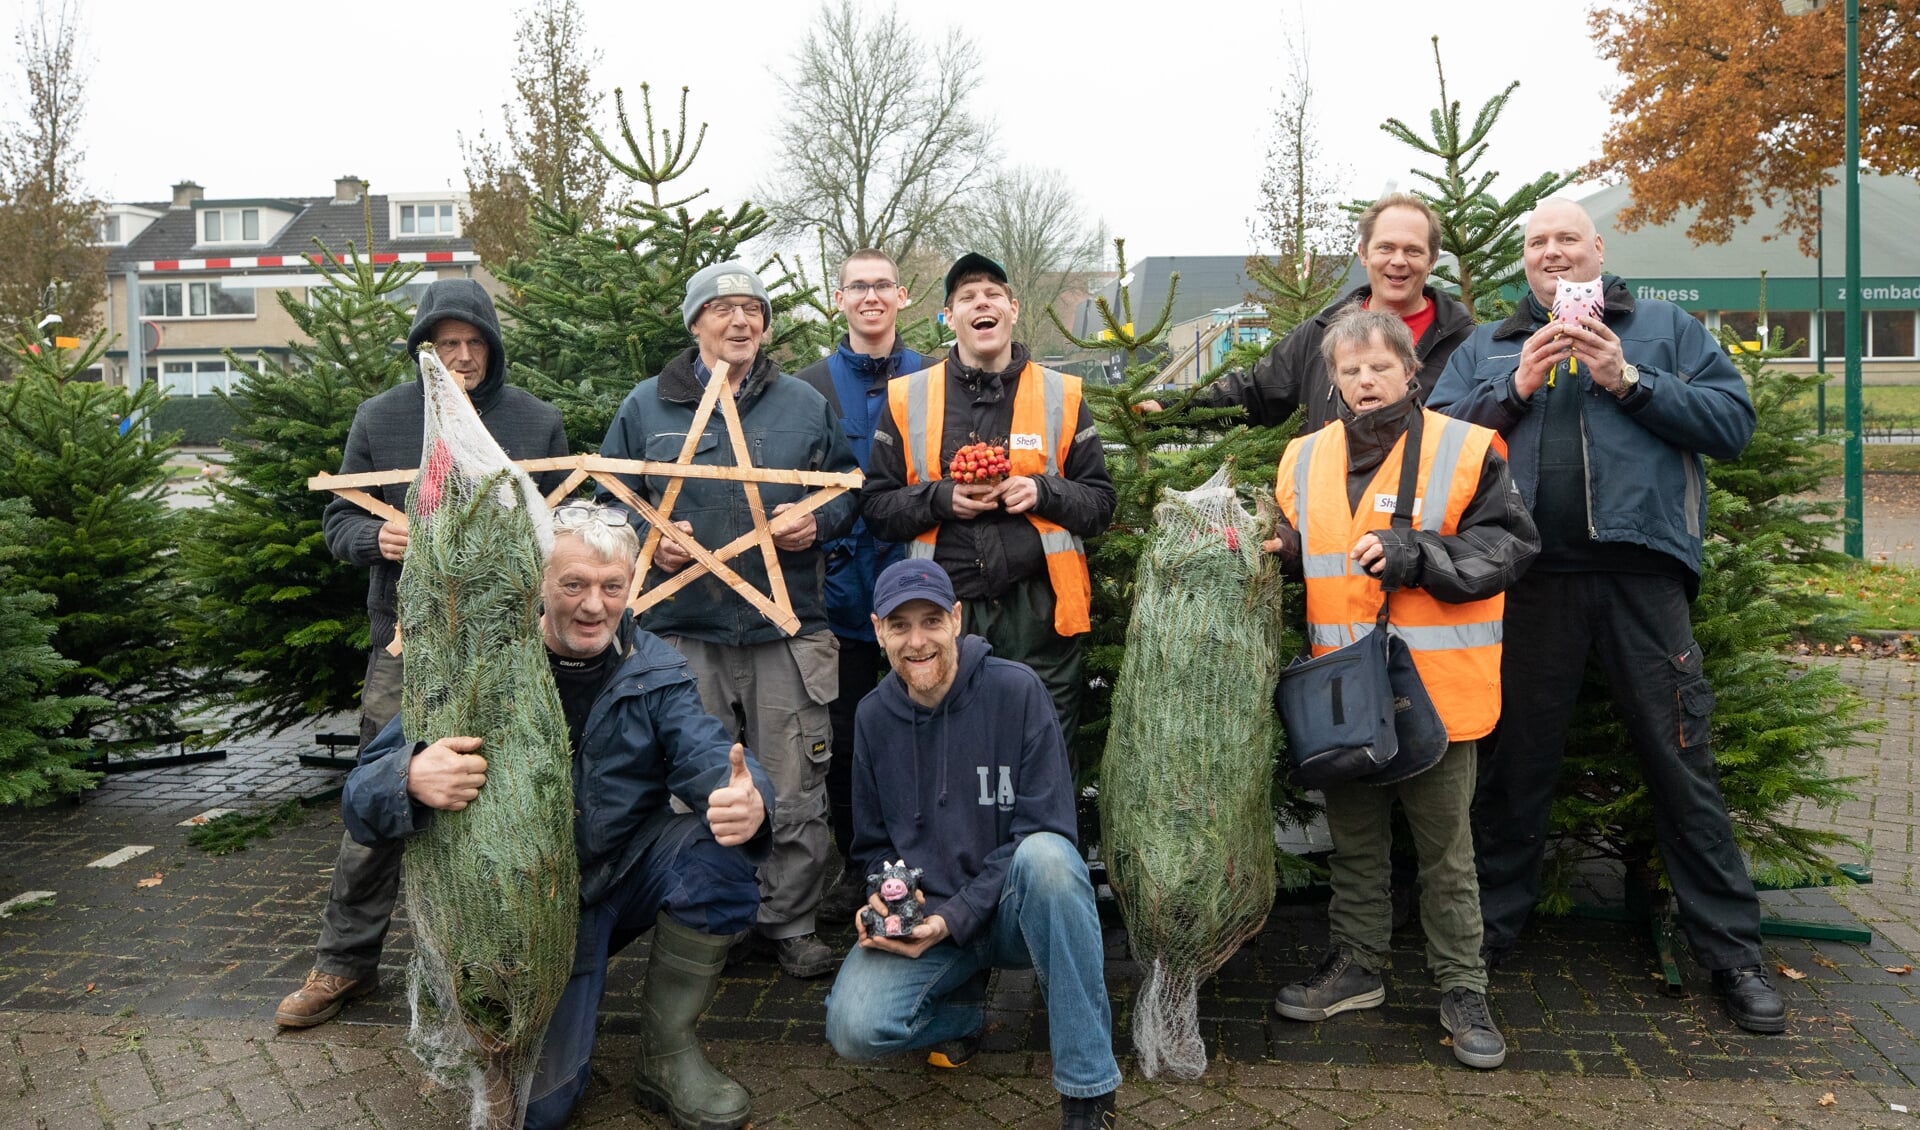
<point>979,463</point>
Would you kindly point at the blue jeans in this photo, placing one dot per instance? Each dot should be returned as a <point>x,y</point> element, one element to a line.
<point>684,873</point>
<point>884,1003</point>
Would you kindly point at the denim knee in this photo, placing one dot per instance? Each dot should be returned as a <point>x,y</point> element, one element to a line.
<point>1046,865</point>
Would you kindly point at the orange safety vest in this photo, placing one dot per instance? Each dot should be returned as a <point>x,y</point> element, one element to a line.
<point>1456,647</point>
<point>1046,406</point>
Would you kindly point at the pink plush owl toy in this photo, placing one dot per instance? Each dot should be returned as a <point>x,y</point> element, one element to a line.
<point>1572,299</point>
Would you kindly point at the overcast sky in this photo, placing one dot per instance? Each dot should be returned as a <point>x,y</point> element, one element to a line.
<point>1159,115</point>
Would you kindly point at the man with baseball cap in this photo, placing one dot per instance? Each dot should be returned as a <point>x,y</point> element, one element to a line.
<point>770,689</point>
<point>959,770</point>
<point>1013,548</point>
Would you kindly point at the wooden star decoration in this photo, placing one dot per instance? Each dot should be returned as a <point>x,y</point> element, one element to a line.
<point>774,604</point>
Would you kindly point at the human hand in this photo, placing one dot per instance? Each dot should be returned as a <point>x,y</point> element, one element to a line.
<point>1547,348</point>
<point>795,534</point>
<point>1020,494</point>
<point>1369,554</point>
<point>393,538</point>
<point>447,775</point>
<point>735,810</point>
<point>668,555</point>
<point>970,500</point>
<point>927,934</point>
<point>1146,406</point>
<point>1598,350</point>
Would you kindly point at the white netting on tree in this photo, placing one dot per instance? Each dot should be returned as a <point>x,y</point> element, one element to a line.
<point>492,890</point>
<point>1186,781</point>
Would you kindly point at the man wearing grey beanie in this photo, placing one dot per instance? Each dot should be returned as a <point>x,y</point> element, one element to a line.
<point>770,689</point>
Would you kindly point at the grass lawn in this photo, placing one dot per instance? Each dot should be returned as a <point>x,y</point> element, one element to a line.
<point>1883,597</point>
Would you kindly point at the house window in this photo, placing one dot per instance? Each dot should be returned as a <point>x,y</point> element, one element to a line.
<point>230,225</point>
<point>427,219</point>
<point>109,229</point>
<point>193,378</point>
<point>194,300</point>
<point>1883,333</point>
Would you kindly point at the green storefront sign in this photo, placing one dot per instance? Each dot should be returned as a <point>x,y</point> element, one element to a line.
<point>1782,294</point>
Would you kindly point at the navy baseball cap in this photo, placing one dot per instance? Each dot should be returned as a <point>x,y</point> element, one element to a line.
<point>914,578</point>
<point>973,263</point>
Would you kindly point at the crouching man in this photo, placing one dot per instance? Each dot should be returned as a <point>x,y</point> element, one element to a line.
<point>639,736</point>
<point>959,769</point>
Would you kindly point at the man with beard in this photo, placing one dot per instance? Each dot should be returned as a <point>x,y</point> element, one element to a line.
<point>959,770</point>
<point>1013,548</point>
<point>771,689</point>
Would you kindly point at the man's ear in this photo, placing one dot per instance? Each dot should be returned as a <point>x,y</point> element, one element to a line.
<point>876,623</point>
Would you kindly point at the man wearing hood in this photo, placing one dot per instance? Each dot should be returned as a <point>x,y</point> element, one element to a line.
<point>771,689</point>
<point>853,379</point>
<point>959,770</point>
<point>1013,548</point>
<point>388,431</point>
<point>1399,243</point>
<point>1607,421</point>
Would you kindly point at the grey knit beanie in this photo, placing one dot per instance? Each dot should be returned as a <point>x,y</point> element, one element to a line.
<point>722,280</point>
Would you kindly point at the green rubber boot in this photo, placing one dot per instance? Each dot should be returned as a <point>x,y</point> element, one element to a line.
<point>682,976</point>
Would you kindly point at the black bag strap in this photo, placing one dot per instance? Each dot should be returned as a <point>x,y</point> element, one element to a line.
<point>1403,502</point>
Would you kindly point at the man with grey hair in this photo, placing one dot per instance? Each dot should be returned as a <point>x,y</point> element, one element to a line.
<point>687,876</point>
<point>1398,245</point>
<point>1608,418</point>
<point>770,689</point>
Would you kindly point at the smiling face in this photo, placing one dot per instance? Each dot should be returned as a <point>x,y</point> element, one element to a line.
<point>462,348</point>
<point>584,595</point>
<point>1370,374</point>
<point>922,642</point>
<point>870,295</point>
<point>1398,259</point>
<point>729,329</point>
<point>1561,244</point>
<point>982,312</point>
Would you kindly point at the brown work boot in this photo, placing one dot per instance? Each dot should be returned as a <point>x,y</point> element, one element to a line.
<point>320,999</point>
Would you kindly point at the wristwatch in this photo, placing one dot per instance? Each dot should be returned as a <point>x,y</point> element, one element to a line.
<point>1629,380</point>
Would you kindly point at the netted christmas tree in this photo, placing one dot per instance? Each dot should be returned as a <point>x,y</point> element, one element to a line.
<point>76,451</point>
<point>595,311</point>
<point>1186,819</point>
<point>37,762</point>
<point>493,889</point>
<point>277,612</point>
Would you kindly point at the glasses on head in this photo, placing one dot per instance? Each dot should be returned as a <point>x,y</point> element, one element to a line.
<point>750,310</point>
<point>574,515</point>
<point>862,289</point>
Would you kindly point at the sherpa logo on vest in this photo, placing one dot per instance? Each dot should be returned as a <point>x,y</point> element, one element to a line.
<point>988,798</point>
<point>1027,442</point>
<point>733,284</point>
<point>1384,503</point>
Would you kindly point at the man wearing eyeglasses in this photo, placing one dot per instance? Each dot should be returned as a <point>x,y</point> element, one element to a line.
<point>853,378</point>
<point>687,876</point>
<point>457,317</point>
<point>771,689</point>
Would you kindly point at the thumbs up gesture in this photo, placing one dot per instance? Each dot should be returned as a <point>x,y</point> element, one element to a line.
<point>735,810</point>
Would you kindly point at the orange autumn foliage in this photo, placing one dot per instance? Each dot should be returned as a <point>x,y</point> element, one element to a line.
<point>1726,102</point>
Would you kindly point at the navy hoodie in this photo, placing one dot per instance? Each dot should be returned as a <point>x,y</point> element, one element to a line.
<point>953,789</point>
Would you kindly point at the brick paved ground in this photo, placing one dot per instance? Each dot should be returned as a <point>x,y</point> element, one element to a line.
<point>131,1006</point>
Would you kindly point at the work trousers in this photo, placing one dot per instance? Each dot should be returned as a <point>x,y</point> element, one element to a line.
<point>1638,627</point>
<point>1438,804</point>
<point>883,1003</point>
<point>366,880</point>
<point>1019,625</point>
<point>774,697</point>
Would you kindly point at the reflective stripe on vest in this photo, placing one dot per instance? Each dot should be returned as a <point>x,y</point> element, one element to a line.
<point>1046,404</point>
<point>1455,647</point>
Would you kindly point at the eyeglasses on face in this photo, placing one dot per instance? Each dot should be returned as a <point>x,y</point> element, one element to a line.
<point>726,310</point>
<point>862,289</point>
<point>574,515</point>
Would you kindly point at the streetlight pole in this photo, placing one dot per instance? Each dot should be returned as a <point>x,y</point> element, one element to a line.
<point>1855,538</point>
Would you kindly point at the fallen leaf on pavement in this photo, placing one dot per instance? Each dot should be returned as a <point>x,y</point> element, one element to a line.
<point>1823,960</point>
<point>1790,973</point>
<point>89,986</point>
<point>153,881</point>
<point>1446,1041</point>
<point>1828,1099</point>
<point>1899,970</point>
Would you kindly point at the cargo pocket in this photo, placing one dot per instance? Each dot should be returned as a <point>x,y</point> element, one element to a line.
<point>1693,697</point>
<point>818,658</point>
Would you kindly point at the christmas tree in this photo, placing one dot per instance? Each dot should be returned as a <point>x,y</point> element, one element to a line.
<point>76,451</point>
<point>37,760</point>
<point>274,607</point>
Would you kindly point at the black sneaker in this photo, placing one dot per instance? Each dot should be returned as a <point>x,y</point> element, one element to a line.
<point>1338,985</point>
<point>1095,1113</point>
<point>950,1054</point>
<point>805,956</point>
<point>1750,999</point>
<point>1476,1042</point>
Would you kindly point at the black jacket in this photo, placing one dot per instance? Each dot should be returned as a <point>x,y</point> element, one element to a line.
<point>388,433</point>
<point>1292,374</point>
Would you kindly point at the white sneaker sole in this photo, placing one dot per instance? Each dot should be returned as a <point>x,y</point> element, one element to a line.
<point>1373,999</point>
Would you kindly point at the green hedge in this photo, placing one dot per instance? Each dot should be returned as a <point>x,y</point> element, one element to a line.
<point>202,421</point>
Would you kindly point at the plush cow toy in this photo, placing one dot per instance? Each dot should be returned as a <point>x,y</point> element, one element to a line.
<point>898,887</point>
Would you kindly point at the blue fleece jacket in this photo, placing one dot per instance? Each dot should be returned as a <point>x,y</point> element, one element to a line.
<point>954,788</point>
